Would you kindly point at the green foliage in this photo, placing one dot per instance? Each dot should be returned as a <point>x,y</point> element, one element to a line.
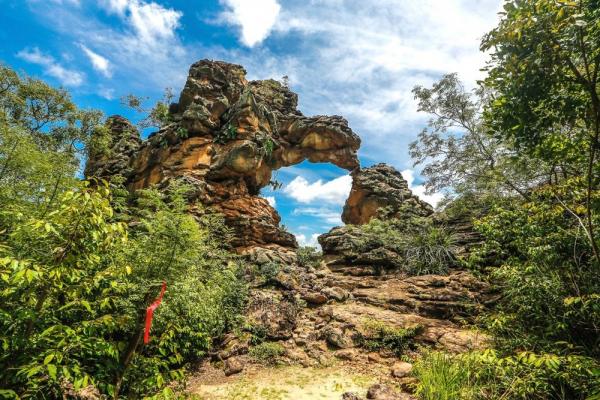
<point>157,116</point>
<point>268,271</point>
<point>267,352</point>
<point>430,250</point>
<point>442,378</point>
<point>486,375</point>
<point>544,76</point>
<point>74,287</point>
<point>422,247</point>
<point>379,335</point>
<point>550,295</point>
<point>59,296</point>
<point>43,135</point>
<point>459,152</point>
<point>309,257</point>
<point>258,334</point>
<point>225,135</point>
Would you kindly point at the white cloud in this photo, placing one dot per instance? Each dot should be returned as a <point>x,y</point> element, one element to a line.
<point>255,18</point>
<point>361,60</point>
<point>311,241</point>
<point>100,63</point>
<point>334,191</point>
<point>419,190</point>
<point>150,21</point>
<point>271,200</point>
<point>328,215</point>
<point>67,77</point>
<point>107,93</point>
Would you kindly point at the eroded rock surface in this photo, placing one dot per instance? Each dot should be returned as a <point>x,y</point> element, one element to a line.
<point>226,137</point>
<point>377,188</point>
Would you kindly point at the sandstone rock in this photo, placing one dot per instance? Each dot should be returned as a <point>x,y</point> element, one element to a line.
<point>124,141</point>
<point>380,391</point>
<point>350,396</point>
<point>401,369</point>
<point>226,138</point>
<point>346,354</point>
<point>233,366</point>
<point>314,298</point>
<point>374,357</point>
<point>274,312</point>
<point>378,187</point>
<point>336,293</point>
<point>336,337</point>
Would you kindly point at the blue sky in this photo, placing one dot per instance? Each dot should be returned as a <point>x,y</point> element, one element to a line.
<point>355,58</point>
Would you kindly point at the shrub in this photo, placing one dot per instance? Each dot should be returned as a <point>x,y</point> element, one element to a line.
<point>309,257</point>
<point>429,250</point>
<point>422,247</point>
<point>547,278</point>
<point>74,286</point>
<point>269,271</point>
<point>486,375</point>
<point>378,335</point>
<point>267,352</point>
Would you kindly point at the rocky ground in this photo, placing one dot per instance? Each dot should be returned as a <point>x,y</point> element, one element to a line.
<point>323,320</point>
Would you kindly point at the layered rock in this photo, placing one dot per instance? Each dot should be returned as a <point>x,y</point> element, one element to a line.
<point>381,188</point>
<point>225,138</point>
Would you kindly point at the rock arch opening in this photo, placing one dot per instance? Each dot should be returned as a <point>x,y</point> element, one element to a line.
<point>309,198</point>
<point>225,138</point>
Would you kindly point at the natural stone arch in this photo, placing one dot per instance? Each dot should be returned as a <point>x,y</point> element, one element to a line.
<point>227,136</point>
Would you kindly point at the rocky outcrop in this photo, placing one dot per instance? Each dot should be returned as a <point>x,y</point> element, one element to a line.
<point>377,189</point>
<point>113,158</point>
<point>225,137</point>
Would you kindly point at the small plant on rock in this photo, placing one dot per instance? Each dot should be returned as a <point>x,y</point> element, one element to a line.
<point>309,256</point>
<point>381,336</point>
<point>267,352</point>
<point>430,250</point>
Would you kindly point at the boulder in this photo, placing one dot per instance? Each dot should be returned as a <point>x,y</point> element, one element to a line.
<point>233,366</point>
<point>401,369</point>
<point>379,391</point>
<point>377,188</point>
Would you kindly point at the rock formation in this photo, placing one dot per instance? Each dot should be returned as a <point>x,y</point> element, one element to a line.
<point>225,137</point>
<point>378,191</point>
<point>377,188</point>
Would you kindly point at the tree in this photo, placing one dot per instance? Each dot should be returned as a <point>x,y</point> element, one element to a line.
<point>43,137</point>
<point>458,151</point>
<point>543,76</point>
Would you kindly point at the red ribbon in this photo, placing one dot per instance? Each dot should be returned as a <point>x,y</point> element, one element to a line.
<point>150,312</point>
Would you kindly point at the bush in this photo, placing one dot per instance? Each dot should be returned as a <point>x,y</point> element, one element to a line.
<point>485,375</point>
<point>380,336</point>
<point>269,271</point>
<point>74,286</point>
<point>267,352</point>
<point>309,257</point>
<point>429,250</point>
<point>550,291</point>
<point>422,247</point>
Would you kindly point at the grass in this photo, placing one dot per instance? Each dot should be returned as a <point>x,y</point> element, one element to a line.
<point>378,335</point>
<point>441,377</point>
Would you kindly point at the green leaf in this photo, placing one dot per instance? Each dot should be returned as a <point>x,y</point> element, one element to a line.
<point>86,304</point>
<point>48,358</point>
<point>51,370</point>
